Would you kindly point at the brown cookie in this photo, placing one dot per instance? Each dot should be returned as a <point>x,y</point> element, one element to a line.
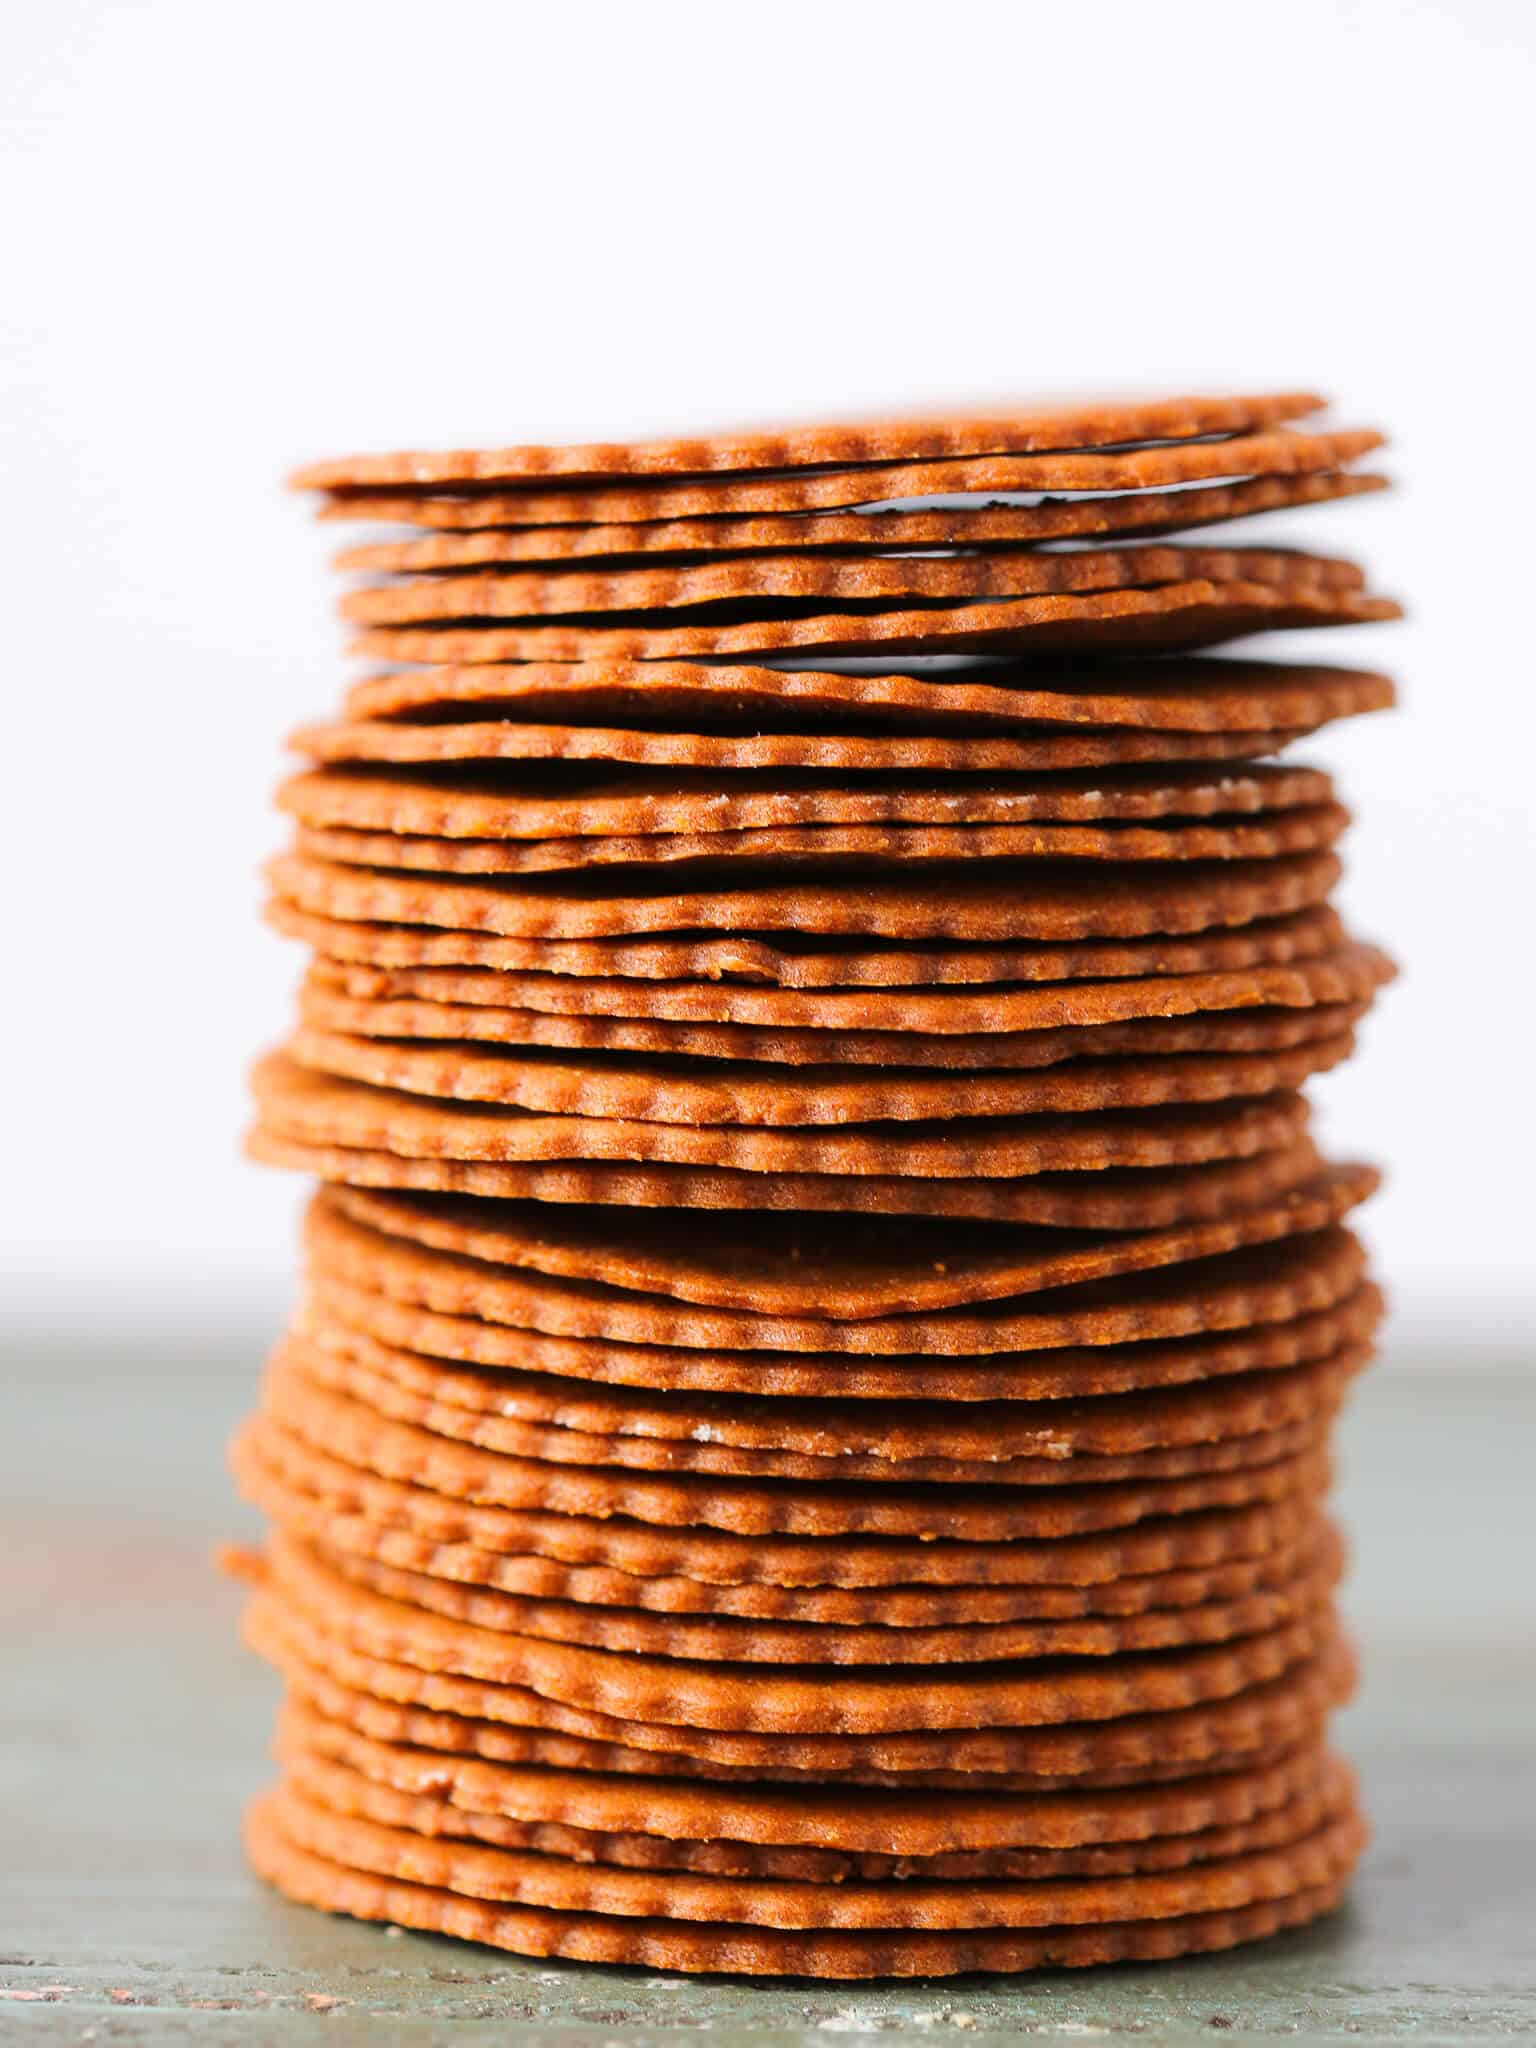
<point>684,1704</point>
<point>885,1289</point>
<point>1106,423</point>
<point>1172,616</point>
<point>1058,904</point>
<point>561,1882</point>
<point>348,1430</point>
<point>303,1744</point>
<point>1314,1302</point>
<point>1302,830</point>
<point>610,1085</point>
<point>764,583</point>
<point>1350,973</point>
<point>441,1710</point>
<point>348,1510</point>
<point>981,1433</point>
<point>854,1822</point>
<point>543,805</point>
<point>1242,456</point>
<point>728,1639</point>
<point>319,1881</point>
<point>404,957</point>
<point>399,741</point>
<point>1204,695</point>
<point>983,527</point>
<point>1221,1196</point>
<point>1182,1059</point>
<point>298,1100</point>
<point>553,1444</point>
<point>533,1416</point>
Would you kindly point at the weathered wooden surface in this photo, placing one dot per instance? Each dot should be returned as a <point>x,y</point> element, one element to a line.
<point>131,1727</point>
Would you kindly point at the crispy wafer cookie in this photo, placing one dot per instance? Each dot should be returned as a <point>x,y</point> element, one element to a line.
<point>1241,457</point>
<point>318,1881</point>
<point>1210,1411</point>
<point>833,582</point>
<point>1173,616</point>
<point>1058,903</point>
<point>1300,830</point>
<point>1242,453</point>
<point>914,1824</point>
<point>995,751</point>
<point>1197,1058</point>
<point>506,1874</point>
<point>1201,695</point>
<point>1346,974</point>
<point>348,1774</point>
<point>759,1712</point>
<point>343,1790</point>
<point>731,1639</point>
<point>876,1298</point>
<point>297,1098</point>
<point>399,955</point>
<point>857,1438</point>
<point>1098,423</point>
<point>493,805</point>
<point>357,1434</point>
<point>984,527</point>
<point>513,1723</point>
<point>358,1514</point>
<point>680,1091</point>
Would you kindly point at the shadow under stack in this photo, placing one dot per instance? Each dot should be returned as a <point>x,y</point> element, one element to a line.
<point>804,1446</point>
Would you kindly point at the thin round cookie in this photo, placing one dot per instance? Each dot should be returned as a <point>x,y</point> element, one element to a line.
<point>1242,457</point>
<point>1209,1411</point>
<point>1349,973</point>
<point>983,527</point>
<point>411,1388</point>
<point>611,1085</point>
<point>714,1638</point>
<point>1302,830</point>
<point>315,1880</point>
<point>298,1100</point>
<point>833,582</point>
<point>656,1896</point>
<point>512,1724</point>
<point>685,1703</point>
<point>547,1444</point>
<point>1027,751</point>
<point>304,1747</point>
<point>283,1465</point>
<point>345,1508</point>
<point>1171,616</point>
<point>543,805</point>
<point>886,1289</point>
<point>1110,422</point>
<point>1244,453</point>
<point>348,1430</point>
<point>1053,904</point>
<point>1148,1059</point>
<point>1205,695</point>
<point>864,1823</point>
<point>1107,1201</point>
<point>399,956</point>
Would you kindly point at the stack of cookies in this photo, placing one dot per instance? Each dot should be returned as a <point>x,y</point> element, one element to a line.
<point>804,1446</point>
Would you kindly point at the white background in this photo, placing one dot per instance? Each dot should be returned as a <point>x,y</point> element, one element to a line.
<point>237,238</point>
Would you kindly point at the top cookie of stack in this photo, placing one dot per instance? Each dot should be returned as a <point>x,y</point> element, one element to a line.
<point>842,823</point>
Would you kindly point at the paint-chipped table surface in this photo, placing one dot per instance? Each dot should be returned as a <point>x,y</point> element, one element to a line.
<point>132,1727</point>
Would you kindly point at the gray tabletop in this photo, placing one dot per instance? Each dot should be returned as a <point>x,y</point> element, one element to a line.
<point>132,1727</point>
